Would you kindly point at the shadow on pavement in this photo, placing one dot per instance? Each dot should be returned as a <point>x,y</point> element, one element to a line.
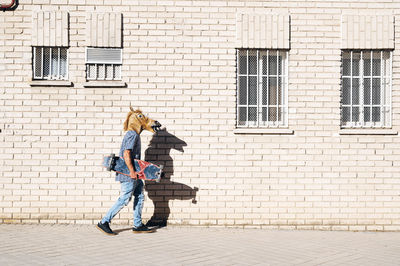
<point>117,231</point>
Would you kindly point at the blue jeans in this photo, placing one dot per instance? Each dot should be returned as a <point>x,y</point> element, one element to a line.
<point>127,189</point>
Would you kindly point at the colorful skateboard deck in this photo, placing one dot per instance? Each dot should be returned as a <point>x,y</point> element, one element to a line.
<point>145,170</point>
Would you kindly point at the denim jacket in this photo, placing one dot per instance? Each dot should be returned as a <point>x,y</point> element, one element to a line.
<point>131,142</point>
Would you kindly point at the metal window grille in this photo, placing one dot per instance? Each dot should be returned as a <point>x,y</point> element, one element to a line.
<point>366,89</point>
<point>262,85</point>
<point>50,63</point>
<point>103,63</point>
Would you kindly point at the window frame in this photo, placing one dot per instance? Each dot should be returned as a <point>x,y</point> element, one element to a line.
<point>97,63</point>
<point>385,93</point>
<point>284,97</point>
<point>50,76</point>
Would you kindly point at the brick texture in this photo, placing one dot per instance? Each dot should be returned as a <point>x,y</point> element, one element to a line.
<point>104,29</point>
<point>262,31</point>
<point>50,28</point>
<point>179,66</point>
<point>367,32</point>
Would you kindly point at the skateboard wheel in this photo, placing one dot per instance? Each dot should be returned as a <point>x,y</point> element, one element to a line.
<point>161,166</point>
<point>158,180</point>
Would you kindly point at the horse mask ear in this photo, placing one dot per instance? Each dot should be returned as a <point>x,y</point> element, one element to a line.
<point>126,123</point>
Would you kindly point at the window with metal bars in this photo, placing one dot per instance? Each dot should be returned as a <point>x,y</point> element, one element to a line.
<point>366,89</point>
<point>103,63</point>
<point>50,63</point>
<point>262,88</point>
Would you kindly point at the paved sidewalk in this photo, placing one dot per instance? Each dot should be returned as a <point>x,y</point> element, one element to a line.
<point>85,245</point>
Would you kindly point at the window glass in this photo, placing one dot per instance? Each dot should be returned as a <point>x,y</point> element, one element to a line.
<point>261,88</point>
<point>366,88</point>
<point>50,63</point>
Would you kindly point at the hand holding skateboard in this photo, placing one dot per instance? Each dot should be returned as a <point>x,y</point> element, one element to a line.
<point>138,175</point>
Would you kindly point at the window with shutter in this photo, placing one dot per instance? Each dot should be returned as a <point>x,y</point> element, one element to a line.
<point>103,63</point>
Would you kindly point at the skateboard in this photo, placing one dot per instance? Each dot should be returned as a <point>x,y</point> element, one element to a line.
<point>145,170</point>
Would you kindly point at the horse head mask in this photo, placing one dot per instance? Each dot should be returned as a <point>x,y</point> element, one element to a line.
<point>138,122</point>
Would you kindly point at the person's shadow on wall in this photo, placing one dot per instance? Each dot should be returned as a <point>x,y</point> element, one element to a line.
<point>161,193</point>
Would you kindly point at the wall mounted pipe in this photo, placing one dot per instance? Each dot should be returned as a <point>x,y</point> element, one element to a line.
<point>7,6</point>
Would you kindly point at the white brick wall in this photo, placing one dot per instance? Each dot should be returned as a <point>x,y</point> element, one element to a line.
<point>367,32</point>
<point>263,30</point>
<point>50,28</point>
<point>179,67</point>
<point>103,29</point>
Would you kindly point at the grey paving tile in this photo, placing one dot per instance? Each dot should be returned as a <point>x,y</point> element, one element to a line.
<point>85,245</point>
